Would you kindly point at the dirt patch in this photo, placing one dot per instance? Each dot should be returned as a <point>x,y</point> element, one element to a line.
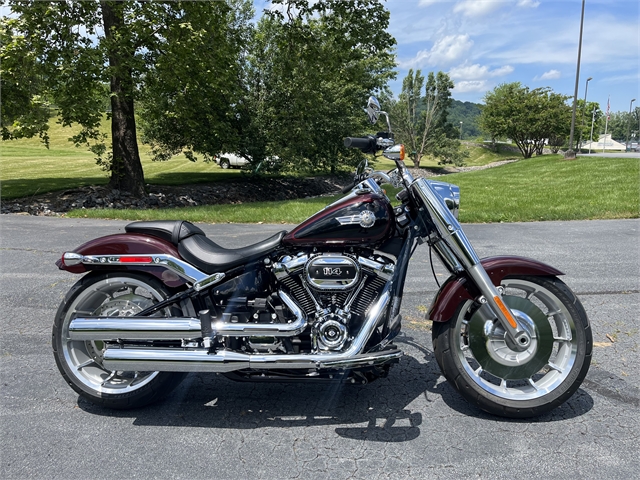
<point>160,196</point>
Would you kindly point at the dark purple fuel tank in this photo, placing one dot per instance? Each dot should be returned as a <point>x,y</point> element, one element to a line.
<point>355,220</point>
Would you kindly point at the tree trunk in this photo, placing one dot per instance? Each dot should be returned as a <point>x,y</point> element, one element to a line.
<point>126,169</point>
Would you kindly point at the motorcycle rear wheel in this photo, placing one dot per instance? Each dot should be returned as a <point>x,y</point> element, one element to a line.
<point>80,362</point>
<point>476,357</point>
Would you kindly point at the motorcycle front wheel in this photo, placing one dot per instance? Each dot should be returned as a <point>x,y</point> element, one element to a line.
<point>475,355</point>
<point>80,362</point>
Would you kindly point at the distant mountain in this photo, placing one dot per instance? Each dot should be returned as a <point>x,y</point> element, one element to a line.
<point>467,113</point>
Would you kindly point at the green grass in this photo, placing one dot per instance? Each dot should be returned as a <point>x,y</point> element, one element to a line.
<point>551,188</point>
<point>27,167</point>
<point>542,188</point>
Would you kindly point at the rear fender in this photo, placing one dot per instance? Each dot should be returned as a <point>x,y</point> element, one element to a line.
<point>127,244</point>
<point>460,288</point>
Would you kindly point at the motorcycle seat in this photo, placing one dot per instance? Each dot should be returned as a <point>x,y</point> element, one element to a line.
<point>194,246</point>
<point>173,231</point>
<point>211,258</point>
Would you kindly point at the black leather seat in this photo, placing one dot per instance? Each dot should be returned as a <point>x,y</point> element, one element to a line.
<point>211,257</point>
<point>194,246</point>
<point>170,230</point>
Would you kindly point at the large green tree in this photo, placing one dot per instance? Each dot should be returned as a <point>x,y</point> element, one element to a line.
<point>74,55</point>
<point>310,68</point>
<point>528,117</point>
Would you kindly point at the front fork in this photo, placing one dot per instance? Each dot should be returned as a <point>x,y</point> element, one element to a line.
<point>458,254</point>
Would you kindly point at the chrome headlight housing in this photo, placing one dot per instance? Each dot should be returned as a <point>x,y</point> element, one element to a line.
<point>449,193</point>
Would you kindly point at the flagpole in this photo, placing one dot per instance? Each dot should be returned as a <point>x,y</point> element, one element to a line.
<point>606,125</point>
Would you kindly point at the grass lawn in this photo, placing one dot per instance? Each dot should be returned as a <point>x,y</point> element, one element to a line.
<point>542,188</point>
<point>28,168</point>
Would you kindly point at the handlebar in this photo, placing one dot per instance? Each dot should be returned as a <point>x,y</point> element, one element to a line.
<point>366,144</point>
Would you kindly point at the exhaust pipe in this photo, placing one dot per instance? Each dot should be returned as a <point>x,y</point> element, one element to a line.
<point>168,360</point>
<point>174,360</point>
<point>155,328</point>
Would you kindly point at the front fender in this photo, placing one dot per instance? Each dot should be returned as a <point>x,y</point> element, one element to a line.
<point>459,288</point>
<point>127,244</point>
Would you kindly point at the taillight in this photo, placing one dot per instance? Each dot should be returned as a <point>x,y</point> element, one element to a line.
<point>136,260</point>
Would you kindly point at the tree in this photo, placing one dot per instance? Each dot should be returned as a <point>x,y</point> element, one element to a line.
<point>421,122</point>
<point>528,117</point>
<point>620,123</point>
<point>309,70</point>
<point>467,113</point>
<point>79,53</point>
<point>583,131</point>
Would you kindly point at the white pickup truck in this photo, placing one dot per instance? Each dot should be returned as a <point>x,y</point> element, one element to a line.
<point>230,160</point>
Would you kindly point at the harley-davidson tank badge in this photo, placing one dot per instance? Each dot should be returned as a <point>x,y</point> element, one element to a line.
<point>365,219</point>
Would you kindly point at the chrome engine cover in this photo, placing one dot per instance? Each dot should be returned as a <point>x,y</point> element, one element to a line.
<point>331,271</point>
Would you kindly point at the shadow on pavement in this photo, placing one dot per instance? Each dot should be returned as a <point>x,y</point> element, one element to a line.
<point>380,411</point>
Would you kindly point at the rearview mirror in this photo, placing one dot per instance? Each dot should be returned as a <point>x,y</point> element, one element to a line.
<point>373,109</point>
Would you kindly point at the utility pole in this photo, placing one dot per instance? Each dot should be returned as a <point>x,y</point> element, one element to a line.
<point>570,153</point>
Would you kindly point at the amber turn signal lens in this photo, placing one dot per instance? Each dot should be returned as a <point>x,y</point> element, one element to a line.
<point>503,308</point>
<point>401,152</point>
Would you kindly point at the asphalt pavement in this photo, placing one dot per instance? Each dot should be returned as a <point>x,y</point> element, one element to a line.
<point>409,425</point>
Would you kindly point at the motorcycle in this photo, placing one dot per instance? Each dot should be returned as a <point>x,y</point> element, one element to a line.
<point>319,303</point>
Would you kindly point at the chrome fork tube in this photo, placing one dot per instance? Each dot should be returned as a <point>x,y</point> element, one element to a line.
<point>457,244</point>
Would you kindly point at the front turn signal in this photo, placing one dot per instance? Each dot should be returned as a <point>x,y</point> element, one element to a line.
<point>402,152</point>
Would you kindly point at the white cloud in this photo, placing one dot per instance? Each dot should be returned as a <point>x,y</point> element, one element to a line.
<point>528,3</point>
<point>550,75</point>
<point>475,8</point>
<point>426,3</point>
<point>478,72</point>
<point>471,86</point>
<point>444,51</point>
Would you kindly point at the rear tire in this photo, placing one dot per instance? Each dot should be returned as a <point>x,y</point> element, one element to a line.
<point>224,164</point>
<point>79,362</point>
<point>477,360</point>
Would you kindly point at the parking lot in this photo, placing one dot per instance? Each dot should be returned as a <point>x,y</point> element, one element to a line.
<point>409,425</point>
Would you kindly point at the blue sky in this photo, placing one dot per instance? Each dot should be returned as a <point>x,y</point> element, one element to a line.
<point>483,43</point>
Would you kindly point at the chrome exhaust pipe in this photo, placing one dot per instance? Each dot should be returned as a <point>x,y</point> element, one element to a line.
<point>168,360</point>
<point>174,360</point>
<point>157,328</point>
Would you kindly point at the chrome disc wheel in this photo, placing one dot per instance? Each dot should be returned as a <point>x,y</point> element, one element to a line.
<point>115,297</point>
<point>502,370</point>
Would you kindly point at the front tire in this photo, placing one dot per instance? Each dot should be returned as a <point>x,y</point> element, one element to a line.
<point>476,357</point>
<point>80,362</point>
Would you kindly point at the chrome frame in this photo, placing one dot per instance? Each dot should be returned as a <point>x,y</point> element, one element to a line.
<point>180,267</point>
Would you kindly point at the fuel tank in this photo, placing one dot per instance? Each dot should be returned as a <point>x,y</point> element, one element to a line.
<point>365,220</point>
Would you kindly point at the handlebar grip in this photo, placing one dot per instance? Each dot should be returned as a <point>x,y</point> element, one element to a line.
<point>363,143</point>
<point>347,189</point>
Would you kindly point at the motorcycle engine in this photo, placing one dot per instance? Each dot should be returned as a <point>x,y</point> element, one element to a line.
<point>335,290</point>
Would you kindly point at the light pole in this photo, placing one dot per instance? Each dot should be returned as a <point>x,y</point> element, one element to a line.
<point>460,131</point>
<point>629,125</point>
<point>570,153</point>
<point>593,118</point>
<point>584,107</point>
